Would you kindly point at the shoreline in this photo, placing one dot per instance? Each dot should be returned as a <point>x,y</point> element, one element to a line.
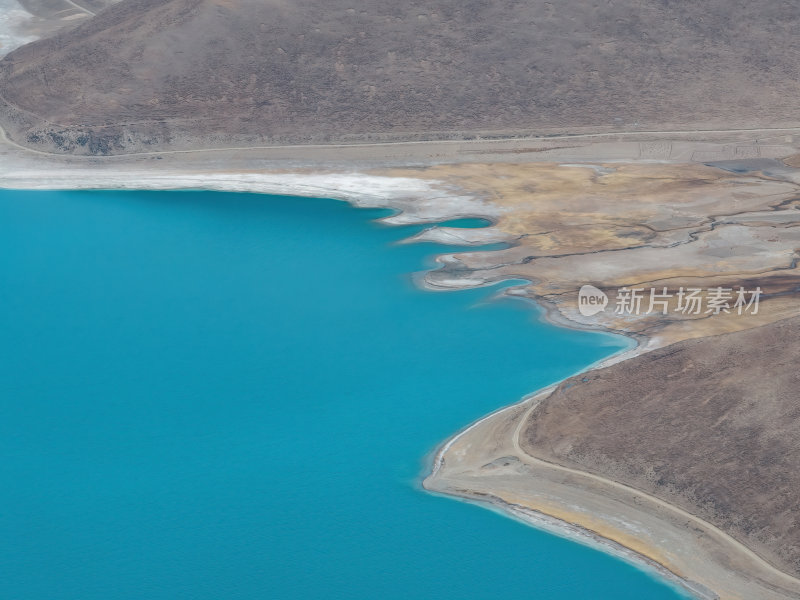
<point>367,198</point>
<point>543,521</point>
<point>574,532</point>
<point>568,517</point>
<point>581,535</point>
<point>415,200</point>
<point>634,350</point>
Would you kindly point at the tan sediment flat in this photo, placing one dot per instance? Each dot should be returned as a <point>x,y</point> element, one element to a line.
<point>633,224</point>
<point>593,212</point>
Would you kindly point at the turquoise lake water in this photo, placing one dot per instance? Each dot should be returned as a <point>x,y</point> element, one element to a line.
<point>230,396</point>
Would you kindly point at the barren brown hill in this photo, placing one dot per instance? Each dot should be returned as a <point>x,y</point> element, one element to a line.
<point>147,74</point>
<point>710,425</point>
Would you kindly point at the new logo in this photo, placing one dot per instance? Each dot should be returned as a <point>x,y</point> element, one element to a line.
<point>591,300</point>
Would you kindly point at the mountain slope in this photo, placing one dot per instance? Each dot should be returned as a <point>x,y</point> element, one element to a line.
<point>698,424</point>
<point>186,73</point>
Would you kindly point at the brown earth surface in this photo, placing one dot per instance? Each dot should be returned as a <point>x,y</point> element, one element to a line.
<point>709,425</point>
<point>154,74</point>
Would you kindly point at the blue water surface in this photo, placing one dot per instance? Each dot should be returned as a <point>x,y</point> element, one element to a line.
<point>229,396</point>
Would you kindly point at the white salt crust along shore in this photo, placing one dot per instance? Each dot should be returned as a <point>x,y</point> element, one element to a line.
<point>415,200</point>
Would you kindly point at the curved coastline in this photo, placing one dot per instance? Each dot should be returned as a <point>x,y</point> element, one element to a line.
<point>401,203</point>
<point>435,463</point>
<point>415,201</point>
<point>367,191</point>
<point>607,539</point>
<point>571,511</point>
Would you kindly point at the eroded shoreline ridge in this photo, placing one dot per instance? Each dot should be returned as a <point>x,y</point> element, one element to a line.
<point>610,171</point>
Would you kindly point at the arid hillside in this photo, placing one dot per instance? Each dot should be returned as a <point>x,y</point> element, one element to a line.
<point>709,425</point>
<point>146,74</point>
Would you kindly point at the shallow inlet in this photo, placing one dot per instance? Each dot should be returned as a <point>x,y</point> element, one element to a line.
<point>466,223</point>
<point>215,395</point>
